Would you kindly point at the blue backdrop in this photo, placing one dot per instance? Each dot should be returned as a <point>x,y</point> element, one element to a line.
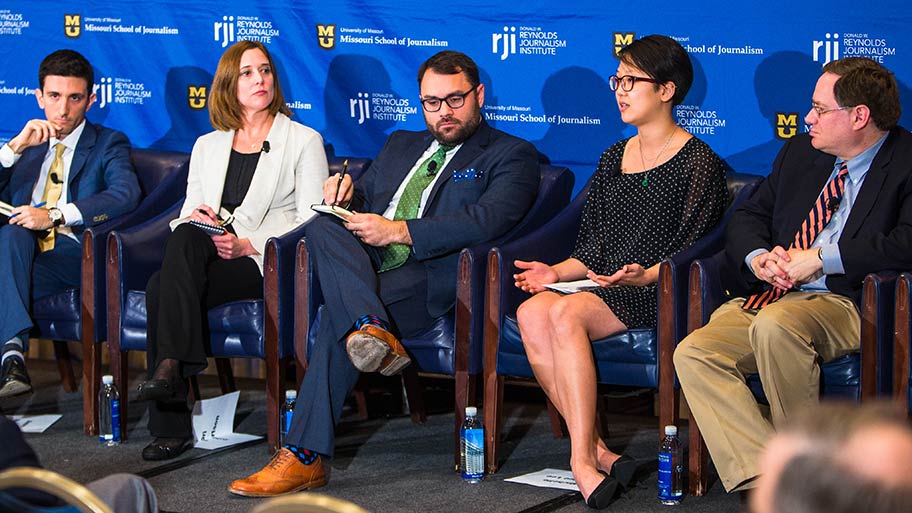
<point>348,67</point>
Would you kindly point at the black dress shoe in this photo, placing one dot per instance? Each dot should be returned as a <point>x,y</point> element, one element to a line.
<point>14,380</point>
<point>624,470</point>
<point>171,390</point>
<point>604,494</point>
<point>166,448</point>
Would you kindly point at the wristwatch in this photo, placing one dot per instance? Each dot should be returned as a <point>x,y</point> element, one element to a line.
<point>56,216</point>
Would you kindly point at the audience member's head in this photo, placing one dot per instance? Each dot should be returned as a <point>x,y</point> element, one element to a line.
<point>663,59</point>
<point>833,459</point>
<point>225,109</point>
<point>451,96</point>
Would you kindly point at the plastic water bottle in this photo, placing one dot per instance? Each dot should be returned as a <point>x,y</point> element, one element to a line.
<point>671,468</point>
<point>285,415</point>
<point>108,412</point>
<point>472,446</point>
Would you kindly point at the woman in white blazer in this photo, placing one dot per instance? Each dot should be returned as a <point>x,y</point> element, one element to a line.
<point>252,178</point>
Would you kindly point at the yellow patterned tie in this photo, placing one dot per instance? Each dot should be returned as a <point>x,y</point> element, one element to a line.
<point>52,189</point>
<point>396,254</point>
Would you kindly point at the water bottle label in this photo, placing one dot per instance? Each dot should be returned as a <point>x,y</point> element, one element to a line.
<point>115,419</point>
<point>474,453</point>
<point>288,415</point>
<point>665,475</point>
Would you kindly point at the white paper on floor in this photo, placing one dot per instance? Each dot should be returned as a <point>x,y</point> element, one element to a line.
<point>213,423</point>
<point>548,478</point>
<point>35,423</point>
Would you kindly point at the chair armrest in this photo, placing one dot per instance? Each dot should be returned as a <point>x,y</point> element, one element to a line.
<point>705,289</point>
<point>279,290</point>
<point>877,322</point>
<point>135,253</point>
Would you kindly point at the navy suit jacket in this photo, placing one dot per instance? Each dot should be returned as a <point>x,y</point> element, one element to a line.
<point>102,182</point>
<point>485,189</point>
<point>878,232</point>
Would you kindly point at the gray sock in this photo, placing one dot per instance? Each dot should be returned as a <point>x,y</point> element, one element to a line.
<point>13,347</point>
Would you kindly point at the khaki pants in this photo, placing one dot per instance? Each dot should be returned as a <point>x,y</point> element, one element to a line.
<point>785,343</point>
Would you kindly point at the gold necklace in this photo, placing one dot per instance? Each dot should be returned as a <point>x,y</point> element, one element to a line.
<point>645,181</point>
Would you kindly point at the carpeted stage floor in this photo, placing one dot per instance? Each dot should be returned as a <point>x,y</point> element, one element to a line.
<point>384,464</point>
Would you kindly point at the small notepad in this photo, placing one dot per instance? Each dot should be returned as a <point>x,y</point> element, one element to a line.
<point>211,229</point>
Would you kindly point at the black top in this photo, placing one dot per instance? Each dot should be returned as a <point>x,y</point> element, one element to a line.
<point>241,167</point>
<point>625,221</point>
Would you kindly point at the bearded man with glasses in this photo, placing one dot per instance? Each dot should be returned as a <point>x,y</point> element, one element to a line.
<point>389,269</point>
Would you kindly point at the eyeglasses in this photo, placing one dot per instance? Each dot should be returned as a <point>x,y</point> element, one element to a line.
<point>821,112</point>
<point>627,81</point>
<point>455,101</point>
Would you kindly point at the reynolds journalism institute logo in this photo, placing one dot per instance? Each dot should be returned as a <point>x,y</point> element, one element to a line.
<point>830,47</point>
<point>224,30</point>
<point>622,39</point>
<point>326,36</point>
<point>508,38</point>
<point>786,125</point>
<point>72,25</point>
<point>196,97</point>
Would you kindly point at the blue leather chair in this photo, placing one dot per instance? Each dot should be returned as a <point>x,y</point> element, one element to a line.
<point>78,314</point>
<point>902,357</point>
<point>240,329</point>
<point>857,376</point>
<point>637,357</point>
<point>451,346</point>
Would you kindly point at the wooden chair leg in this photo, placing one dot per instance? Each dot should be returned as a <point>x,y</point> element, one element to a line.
<point>465,396</point>
<point>120,372</point>
<point>557,422</point>
<point>64,365</point>
<point>91,384</point>
<point>414,393</point>
<point>225,375</point>
<point>493,419</point>
<point>275,397</point>
<point>699,460</point>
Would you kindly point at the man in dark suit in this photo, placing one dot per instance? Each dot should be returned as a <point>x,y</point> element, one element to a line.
<point>391,267</point>
<point>836,206</point>
<point>60,175</point>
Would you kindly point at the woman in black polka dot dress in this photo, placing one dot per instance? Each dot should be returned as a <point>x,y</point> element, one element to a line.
<point>652,196</point>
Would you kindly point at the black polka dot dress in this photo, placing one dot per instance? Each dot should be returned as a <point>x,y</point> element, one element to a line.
<point>646,217</point>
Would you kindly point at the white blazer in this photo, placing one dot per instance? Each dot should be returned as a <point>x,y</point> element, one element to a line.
<point>287,181</point>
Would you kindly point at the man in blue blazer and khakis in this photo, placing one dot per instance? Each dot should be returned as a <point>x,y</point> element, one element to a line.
<point>390,268</point>
<point>60,175</point>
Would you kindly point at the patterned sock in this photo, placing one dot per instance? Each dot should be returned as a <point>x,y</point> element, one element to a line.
<point>13,347</point>
<point>371,319</point>
<point>305,456</point>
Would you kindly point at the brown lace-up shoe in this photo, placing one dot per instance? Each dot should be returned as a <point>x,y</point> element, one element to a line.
<point>373,349</point>
<point>283,474</point>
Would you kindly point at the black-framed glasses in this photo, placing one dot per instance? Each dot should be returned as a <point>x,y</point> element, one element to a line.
<point>821,111</point>
<point>455,100</point>
<point>627,81</point>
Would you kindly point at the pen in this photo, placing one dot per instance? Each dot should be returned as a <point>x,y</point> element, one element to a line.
<point>43,203</point>
<point>341,177</point>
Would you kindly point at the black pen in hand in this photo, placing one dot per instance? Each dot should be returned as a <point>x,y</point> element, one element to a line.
<point>341,177</point>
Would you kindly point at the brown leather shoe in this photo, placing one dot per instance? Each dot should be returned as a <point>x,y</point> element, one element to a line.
<point>283,474</point>
<point>373,349</point>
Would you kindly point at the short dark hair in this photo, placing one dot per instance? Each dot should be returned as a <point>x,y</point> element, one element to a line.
<point>863,81</point>
<point>663,59</point>
<point>449,62</point>
<point>66,63</point>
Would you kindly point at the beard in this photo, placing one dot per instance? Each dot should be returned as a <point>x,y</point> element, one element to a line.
<point>458,134</point>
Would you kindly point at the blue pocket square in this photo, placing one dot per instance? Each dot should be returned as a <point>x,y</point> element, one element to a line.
<point>467,174</point>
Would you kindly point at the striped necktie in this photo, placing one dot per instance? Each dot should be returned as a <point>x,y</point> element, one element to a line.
<point>815,222</point>
<point>53,187</point>
<point>396,254</point>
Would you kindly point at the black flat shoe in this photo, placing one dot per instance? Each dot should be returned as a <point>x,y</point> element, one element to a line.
<point>624,470</point>
<point>604,494</point>
<point>14,379</point>
<point>166,448</point>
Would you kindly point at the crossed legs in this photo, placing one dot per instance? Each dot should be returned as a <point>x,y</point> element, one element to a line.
<point>557,332</point>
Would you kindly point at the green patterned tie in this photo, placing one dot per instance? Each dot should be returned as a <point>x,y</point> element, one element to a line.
<point>396,254</point>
